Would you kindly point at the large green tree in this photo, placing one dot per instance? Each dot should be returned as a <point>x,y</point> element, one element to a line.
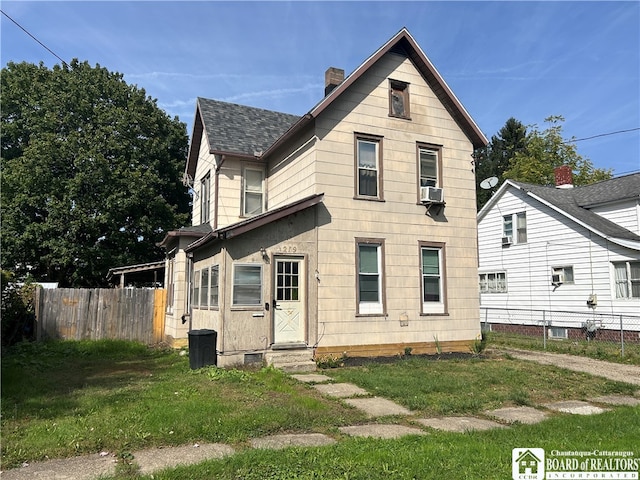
<point>546,150</point>
<point>90,176</point>
<point>494,160</point>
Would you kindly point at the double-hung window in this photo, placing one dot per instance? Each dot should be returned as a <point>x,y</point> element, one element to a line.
<point>627,279</point>
<point>428,158</point>
<point>432,270</point>
<point>253,191</point>
<point>205,198</point>
<point>195,295</point>
<point>520,221</point>
<point>369,265</point>
<point>368,167</point>
<point>247,284</point>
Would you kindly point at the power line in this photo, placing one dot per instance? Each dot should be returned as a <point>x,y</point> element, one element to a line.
<point>602,135</point>
<point>42,44</point>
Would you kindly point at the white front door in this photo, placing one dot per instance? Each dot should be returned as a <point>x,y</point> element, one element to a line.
<point>289,301</point>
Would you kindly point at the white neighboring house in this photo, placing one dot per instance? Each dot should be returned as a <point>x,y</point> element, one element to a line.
<point>562,249</point>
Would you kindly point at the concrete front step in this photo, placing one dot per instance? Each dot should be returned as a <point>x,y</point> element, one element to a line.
<point>291,361</point>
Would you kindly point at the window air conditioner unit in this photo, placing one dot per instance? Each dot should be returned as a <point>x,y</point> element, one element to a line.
<point>557,279</point>
<point>507,240</point>
<point>431,195</point>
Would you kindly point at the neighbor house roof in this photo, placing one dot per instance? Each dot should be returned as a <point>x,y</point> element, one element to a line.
<point>253,132</point>
<point>575,203</point>
<point>194,231</point>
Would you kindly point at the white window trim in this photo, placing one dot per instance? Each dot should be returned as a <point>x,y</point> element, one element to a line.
<point>552,333</point>
<point>487,286</point>
<point>439,306</point>
<point>245,169</point>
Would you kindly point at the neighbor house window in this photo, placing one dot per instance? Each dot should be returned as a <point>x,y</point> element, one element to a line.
<point>370,277</point>
<point>557,332</point>
<point>253,193</point>
<point>368,167</point>
<point>205,198</point>
<point>213,289</point>
<point>398,99</point>
<point>433,281</point>
<point>247,285</point>
<point>493,282</point>
<point>520,221</point>
<point>627,279</point>
<point>565,274</point>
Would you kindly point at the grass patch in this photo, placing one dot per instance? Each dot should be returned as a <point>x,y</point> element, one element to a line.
<point>599,350</point>
<point>474,456</point>
<point>470,386</point>
<point>61,399</point>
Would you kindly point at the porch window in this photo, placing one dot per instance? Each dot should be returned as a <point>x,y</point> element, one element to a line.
<point>253,194</point>
<point>368,167</point>
<point>370,278</point>
<point>170,284</point>
<point>213,289</point>
<point>433,280</point>
<point>247,285</point>
<point>195,297</point>
<point>204,288</point>
<point>627,279</point>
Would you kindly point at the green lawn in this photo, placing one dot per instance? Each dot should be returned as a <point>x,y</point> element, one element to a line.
<point>60,399</point>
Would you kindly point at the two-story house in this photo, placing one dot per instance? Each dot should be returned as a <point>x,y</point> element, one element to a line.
<point>562,257</point>
<point>349,230</point>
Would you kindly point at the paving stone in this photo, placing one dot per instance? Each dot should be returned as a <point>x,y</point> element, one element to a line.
<point>459,424</point>
<point>157,458</point>
<point>377,407</point>
<point>312,378</point>
<point>278,442</point>
<point>616,400</point>
<point>527,415</point>
<point>575,407</point>
<point>340,390</point>
<point>381,431</point>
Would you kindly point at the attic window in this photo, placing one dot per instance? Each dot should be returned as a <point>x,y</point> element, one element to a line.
<point>398,99</point>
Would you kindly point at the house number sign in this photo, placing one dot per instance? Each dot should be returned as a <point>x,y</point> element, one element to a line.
<point>287,249</point>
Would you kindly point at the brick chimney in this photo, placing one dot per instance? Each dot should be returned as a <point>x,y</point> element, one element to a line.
<point>332,78</point>
<point>563,176</point>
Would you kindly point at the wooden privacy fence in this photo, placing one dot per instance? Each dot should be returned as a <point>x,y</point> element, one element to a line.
<point>100,313</point>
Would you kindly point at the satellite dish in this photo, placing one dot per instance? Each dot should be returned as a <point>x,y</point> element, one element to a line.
<point>488,183</point>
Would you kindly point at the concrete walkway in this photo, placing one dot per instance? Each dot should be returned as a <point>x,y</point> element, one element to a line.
<point>90,467</point>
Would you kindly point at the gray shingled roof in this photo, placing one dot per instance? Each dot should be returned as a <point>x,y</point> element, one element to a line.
<point>236,128</point>
<point>573,201</point>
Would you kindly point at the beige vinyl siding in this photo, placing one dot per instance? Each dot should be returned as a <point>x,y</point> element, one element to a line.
<point>206,165</point>
<point>399,220</point>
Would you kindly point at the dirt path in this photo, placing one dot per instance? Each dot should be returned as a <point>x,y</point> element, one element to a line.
<point>613,371</point>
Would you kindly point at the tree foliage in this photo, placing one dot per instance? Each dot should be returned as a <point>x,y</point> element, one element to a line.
<point>494,160</point>
<point>91,173</point>
<point>532,157</point>
<point>547,150</point>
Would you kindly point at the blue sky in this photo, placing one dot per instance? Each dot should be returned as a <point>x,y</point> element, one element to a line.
<point>527,60</point>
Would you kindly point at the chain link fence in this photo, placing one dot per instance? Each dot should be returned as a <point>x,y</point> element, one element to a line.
<point>622,331</point>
